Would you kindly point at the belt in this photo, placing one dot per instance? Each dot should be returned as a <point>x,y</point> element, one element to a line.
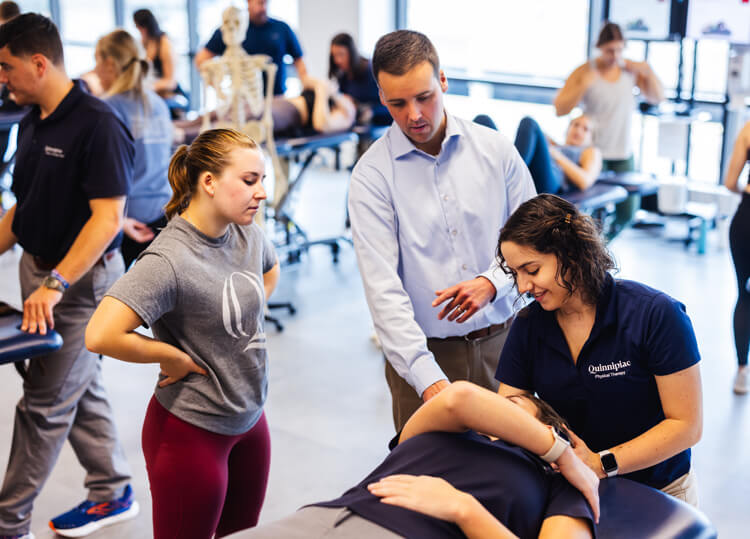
<point>483,332</point>
<point>49,266</point>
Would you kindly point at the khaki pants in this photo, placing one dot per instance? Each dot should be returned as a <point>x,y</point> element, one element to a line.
<point>684,488</point>
<point>460,358</point>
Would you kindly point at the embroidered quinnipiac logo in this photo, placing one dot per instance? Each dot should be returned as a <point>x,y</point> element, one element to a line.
<point>231,308</point>
<point>608,370</point>
<point>54,152</point>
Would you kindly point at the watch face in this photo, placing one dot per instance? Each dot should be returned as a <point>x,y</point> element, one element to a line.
<point>563,434</point>
<point>609,462</point>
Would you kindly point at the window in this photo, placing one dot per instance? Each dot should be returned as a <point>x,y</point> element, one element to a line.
<point>485,39</point>
<point>82,24</point>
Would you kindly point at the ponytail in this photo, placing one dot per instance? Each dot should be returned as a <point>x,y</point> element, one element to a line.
<point>123,50</point>
<point>181,183</point>
<point>207,153</point>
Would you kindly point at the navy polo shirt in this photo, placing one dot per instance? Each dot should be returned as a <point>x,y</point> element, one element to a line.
<point>609,396</point>
<point>513,485</point>
<point>80,152</point>
<point>274,38</point>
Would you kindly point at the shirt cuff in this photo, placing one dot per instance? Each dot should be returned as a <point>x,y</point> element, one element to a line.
<point>502,283</point>
<point>424,372</point>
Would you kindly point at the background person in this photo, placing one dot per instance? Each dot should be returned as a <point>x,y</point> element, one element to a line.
<point>161,54</point>
<point>121,73</point>
<point>572,166</point>
<point>353,73</point>
<point>265,35</point>
<point>617,359</point>
<point>603,87</point>
<point>739,243</point>
<point>208,405</point>
<point>74,167</point>
<point>424,201</point>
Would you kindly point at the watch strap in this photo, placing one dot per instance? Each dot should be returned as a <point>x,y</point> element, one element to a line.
<point>53,284</point>
<point>557,449</point>
<point>611,471</point>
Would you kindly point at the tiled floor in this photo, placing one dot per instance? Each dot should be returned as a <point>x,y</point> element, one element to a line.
<point>329,408</point>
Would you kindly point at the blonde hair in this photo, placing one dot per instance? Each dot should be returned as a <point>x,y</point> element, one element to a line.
<point>209,152</point>
<point>131,68</point>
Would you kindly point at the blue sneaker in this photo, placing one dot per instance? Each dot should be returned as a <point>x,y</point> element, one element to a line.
<point>90,516</point>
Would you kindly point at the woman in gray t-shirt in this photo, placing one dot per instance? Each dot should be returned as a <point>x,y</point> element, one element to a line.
<point>201,286</point>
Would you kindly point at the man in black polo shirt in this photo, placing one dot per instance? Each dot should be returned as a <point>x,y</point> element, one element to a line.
<point>73,170</point>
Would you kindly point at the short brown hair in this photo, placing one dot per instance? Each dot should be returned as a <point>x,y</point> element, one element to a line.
<point>609,32</point>
<point>398,52</point>
<point>30,34</point>
<point>8,10</point>
<point>551,225</point>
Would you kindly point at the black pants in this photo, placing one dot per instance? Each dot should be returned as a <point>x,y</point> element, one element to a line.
<point>739,243</point>
<point>131,248</point>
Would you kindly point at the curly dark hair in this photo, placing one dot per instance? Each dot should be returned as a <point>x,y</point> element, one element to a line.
<point>551,225</point>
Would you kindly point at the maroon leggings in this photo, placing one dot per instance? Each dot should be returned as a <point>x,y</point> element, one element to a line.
<point>202,482</point>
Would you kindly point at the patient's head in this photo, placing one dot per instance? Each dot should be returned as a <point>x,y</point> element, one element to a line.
<point>579,131</point>
<point>541,410</point>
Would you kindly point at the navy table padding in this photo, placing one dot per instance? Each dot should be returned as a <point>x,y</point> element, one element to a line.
<point>291,146</point>
<point>597,196</point>
<point>17,345</point>
<point>634,182</point>
<point>630,509</point>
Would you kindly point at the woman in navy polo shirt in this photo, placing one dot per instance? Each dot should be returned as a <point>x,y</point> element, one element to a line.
<point>354,77</point>
<point>617,359</point>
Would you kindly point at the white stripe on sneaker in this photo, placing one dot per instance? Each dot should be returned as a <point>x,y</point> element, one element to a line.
<point>91,527</point>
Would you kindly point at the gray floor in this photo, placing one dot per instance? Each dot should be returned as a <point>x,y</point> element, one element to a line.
<point>328,406</point>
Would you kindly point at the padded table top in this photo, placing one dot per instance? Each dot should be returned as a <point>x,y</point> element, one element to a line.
<point>17,345</point>
<point>630,509</point>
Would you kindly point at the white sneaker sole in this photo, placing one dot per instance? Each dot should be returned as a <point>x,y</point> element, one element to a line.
<point>91,527</point>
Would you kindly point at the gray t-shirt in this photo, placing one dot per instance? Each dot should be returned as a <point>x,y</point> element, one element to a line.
<point>205,296</point>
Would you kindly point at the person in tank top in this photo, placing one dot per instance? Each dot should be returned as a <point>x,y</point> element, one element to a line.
<point>603,88</point>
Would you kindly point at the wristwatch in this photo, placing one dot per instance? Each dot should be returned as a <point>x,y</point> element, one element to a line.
<point>562,442</point>
<point>609,463</point>
<point>53,283</point>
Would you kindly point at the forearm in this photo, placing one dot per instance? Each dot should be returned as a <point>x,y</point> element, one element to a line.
<point>568,97</point>
<point>737,161</point>
<point>478,523</point>
<point>89,245</point>
<point>580,177</point>
<point>7,238</point>
<point>131,347</point>
<point>464,406</point>
<point>164,84</point>
<point>651,86</point>
<point>270,279</point>
<point>664,440</point>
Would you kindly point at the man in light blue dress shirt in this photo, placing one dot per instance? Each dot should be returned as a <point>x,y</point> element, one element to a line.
<point>427,202</point>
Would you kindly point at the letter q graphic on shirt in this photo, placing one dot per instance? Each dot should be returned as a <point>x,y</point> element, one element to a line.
<point>231,308</point>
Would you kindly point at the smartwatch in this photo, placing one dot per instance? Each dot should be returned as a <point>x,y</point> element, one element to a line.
<point>562,442</point>
<point>609,463</point>
<point>53,283</point>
